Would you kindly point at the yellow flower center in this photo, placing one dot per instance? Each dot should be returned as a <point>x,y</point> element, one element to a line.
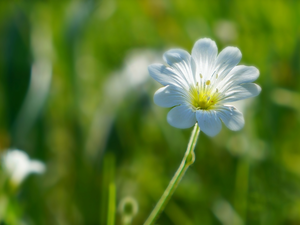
<point>203,97</point>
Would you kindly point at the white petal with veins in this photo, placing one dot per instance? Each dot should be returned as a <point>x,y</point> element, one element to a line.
<point>204,53</point>
<point>180,61</point>
<point>242,91</point>
<point>209,122</point>
<point>168,96</point>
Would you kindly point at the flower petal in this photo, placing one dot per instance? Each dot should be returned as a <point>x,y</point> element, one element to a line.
<point>244,74</point>
<point>242,91</point>
<point>204,53</point>
<point>168,97</point>
<point>228,58</point>
<point>166,76</point>
<point>181,117</point>
<point>231,117</point>
<point>181,61</point>
<point>209,122</point>
<point>238,75</point>
<point>37,166</point>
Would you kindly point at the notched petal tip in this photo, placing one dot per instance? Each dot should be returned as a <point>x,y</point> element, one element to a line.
<point>153,67</point>
<point>202,45</point>
<point>232,52</point>
<point>258,89</point>
<point>237,51</point>
<point>205,41</point>
<point>159,73</point>
<point>177,55</point>
<point>228,58</point>
<point>254,73</point>
<point>256,70</point>
<point>167,97</point>
<point>253,88</point>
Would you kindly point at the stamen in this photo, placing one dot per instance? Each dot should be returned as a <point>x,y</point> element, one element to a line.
<point>203,94</point>
<point>201,76</point>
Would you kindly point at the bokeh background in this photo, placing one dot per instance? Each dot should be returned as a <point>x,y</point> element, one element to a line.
<point>75,94</point>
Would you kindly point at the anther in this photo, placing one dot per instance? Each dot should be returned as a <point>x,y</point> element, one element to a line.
<point>217,90</point>
<point>208,82</point>
<point>217,76</point>
<point>201,76</point>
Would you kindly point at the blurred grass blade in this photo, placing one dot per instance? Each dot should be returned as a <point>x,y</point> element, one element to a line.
<point>111,204</point>
<point>40,80</point>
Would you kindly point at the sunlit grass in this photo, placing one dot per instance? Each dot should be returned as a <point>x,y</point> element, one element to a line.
<point>68,98</point>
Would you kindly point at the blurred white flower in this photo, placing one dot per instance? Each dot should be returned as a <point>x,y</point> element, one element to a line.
<point>225,30</point>
<point>133,74</point>
<point>131,77</point>
<point>18,165</point>
<point>225,213</point>
<point>198,86</point>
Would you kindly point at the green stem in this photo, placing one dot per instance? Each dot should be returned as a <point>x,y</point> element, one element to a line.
<point>111,204</point>
<point>188,159</point>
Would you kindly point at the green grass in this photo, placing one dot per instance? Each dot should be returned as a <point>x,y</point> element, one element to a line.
<point>93,125</point>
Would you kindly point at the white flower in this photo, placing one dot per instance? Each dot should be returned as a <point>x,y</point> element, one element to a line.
<point>198,86</point>
<point>18,165</point>
<point>132,76</point>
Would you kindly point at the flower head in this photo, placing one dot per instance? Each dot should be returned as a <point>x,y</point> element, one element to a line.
<point>198,86</point>
<point>18,165</point>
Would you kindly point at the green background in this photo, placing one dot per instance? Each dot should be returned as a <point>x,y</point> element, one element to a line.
<point>75,94</point>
